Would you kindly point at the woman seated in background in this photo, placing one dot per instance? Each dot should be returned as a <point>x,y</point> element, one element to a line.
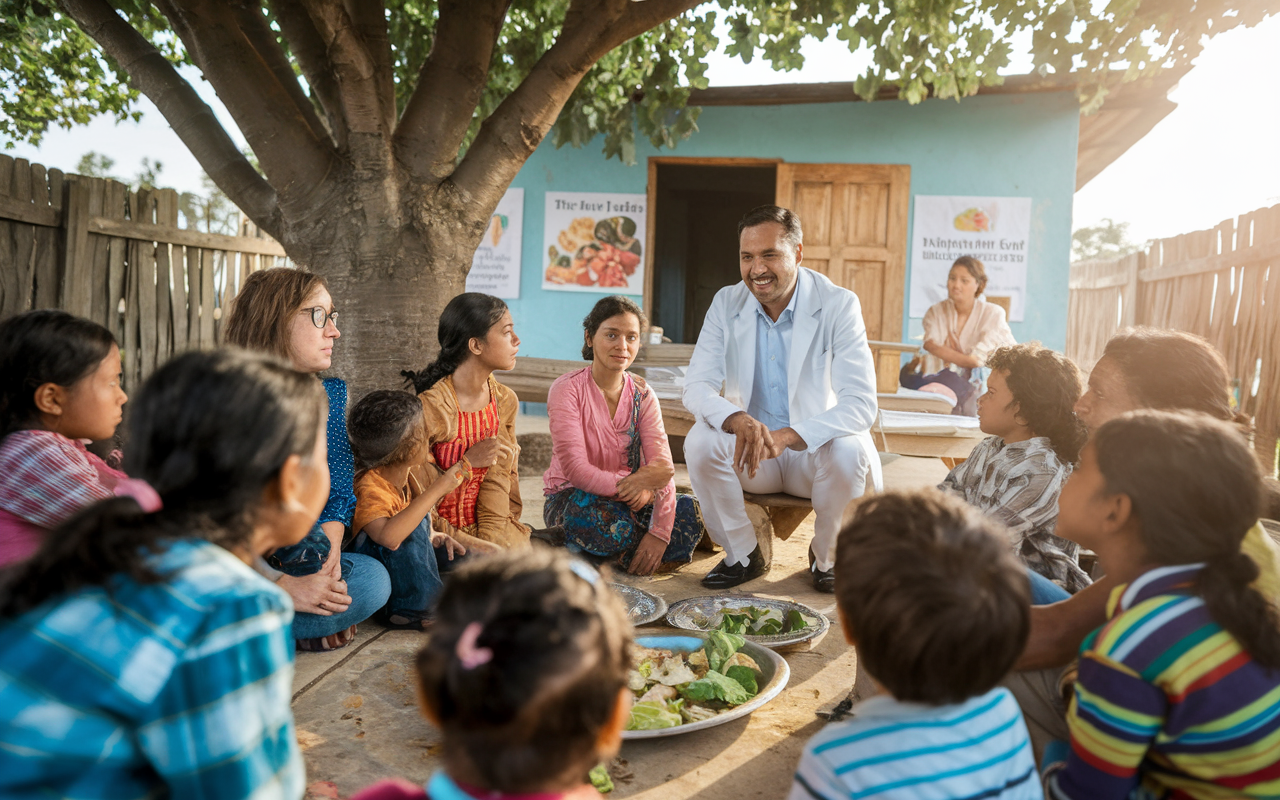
<point>610,485</point>
<point>289,314</point>
<point>464,405</point>
<point>140,653</point>
<point>959,333</point>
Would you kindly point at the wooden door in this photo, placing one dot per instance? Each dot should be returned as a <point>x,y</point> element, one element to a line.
<point>854,218</point>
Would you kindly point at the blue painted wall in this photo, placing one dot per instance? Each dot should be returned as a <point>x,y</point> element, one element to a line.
<point>993,145</point>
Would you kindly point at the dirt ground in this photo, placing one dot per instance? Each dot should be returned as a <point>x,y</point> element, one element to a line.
<point>358,721</point>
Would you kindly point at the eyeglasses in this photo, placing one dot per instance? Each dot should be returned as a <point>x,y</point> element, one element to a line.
<point>320,317</point>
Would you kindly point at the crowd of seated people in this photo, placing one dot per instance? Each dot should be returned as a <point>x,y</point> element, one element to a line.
<point>151,604</point>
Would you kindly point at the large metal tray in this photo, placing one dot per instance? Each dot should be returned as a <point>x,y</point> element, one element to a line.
<point>643,607</point>
<point>774,679</point>
<point>699,614</point>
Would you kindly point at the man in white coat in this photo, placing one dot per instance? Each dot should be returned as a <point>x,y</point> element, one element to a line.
<point>789,349</point>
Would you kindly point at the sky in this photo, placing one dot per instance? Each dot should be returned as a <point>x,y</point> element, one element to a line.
<point>1217,155</point>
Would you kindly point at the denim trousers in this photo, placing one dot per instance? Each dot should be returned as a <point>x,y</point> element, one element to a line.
<point>413,570</point>
<point>367,583</point>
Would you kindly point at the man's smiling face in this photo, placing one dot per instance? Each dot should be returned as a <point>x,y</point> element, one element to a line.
<point>769,264</point>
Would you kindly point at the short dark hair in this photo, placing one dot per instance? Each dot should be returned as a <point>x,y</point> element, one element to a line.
<point>938,604</point>
<point>770,213</point>
<point>386,427</point>
<point>605,308</point>
<point>560,650</point>
<point>1046,386</point>
<point>1174,370</point>
<point>40,347</point>
<point>975,268</point>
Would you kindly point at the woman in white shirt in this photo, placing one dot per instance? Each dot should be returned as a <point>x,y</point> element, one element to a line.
<point>959,333</point>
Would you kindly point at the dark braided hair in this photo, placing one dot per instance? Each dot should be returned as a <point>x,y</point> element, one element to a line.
<point>1046,386</point>
<point>1196,489</point>
<point>41,347</point>
<point>208,430</point>
<point>560,652</point>
<point>468,316</point>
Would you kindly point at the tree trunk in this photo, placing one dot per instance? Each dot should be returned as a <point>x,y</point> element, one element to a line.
<point>390,277</point>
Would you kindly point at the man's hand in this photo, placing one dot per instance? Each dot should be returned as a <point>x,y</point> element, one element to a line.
<point>648,555</point>
<point>754,444</point>
<point>786,439</point>
<point>316,594</point>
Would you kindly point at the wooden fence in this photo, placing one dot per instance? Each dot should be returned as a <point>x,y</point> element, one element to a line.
<point>1223,284</point>
<point>96,249</point>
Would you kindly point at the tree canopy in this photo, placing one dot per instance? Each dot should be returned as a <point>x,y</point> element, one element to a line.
<point>57,75</point>
<point>1107,239</point>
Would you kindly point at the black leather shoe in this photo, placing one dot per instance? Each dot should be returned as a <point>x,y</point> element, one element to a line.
<point>823,580</point>
<point>726,575</point>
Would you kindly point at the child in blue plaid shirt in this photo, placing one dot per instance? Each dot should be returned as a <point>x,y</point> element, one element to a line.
<point>141,655</point>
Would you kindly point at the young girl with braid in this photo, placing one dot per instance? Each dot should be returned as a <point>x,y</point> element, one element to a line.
<point>526,675</point>
<point>1178,691</point>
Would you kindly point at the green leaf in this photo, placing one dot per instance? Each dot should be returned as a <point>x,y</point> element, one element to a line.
<point>651,716</point>
<point>720,646</point>
<point>745,676</point>
<point>601,779</point>
<point>714,686</point>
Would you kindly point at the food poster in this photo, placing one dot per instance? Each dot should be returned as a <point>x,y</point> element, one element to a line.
<point>594,242</point>
<point>495,268</point>
<point>994,230</point>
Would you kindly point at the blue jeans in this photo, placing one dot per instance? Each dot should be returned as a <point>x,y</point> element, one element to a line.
<point>412,567</point>
<point>369,587</point>
<point>1045,591</point>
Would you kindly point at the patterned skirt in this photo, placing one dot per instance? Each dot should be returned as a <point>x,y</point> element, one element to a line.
<point>606,527</point>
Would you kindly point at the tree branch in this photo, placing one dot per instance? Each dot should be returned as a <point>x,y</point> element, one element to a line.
<point>263,41</point>
<point>369,17</point>
<point>307,46</point>
<point>516,128</point>
<point>357,82</point>
<point>450,85</point>
<point>295,159</point>
<point>188,115</point>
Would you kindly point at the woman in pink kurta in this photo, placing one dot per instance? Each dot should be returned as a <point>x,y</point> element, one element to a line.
<point>610,485</point>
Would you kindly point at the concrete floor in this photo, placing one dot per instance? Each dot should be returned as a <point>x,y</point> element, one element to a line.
<point>358,722</point>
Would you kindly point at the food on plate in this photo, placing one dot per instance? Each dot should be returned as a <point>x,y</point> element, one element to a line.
<point>754,621</point>
<point>973,219</point>
<point>576,234</point>
<point>674,688</point>
<point>604,253</point>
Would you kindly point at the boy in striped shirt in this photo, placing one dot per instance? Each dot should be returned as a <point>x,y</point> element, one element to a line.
<point>939,609</point>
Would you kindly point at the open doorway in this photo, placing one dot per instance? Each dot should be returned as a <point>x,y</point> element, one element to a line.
<point>695,240</point>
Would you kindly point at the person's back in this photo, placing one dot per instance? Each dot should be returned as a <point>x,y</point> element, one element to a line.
<point>152,659</point>
<point>938,608</point>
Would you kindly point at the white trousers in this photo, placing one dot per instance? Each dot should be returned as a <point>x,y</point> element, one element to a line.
<point>831,476</point>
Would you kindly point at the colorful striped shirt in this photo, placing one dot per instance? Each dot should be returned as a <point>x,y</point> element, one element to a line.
<point>173,689</point>
<point>1018,484</point>
<point>459,507</point>
<point>1168,704</point>
<point>890,749</point>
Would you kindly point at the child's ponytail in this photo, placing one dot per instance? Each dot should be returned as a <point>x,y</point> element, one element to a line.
<point>1196,488</point>
<point>468,316</point>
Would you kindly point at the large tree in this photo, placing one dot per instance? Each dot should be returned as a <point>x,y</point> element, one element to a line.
<point>386,132</point>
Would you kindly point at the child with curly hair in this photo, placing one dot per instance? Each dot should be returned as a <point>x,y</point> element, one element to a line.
<point>1015,474</point>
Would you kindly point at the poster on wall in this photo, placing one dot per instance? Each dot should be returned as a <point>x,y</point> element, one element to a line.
<point>495,268</point>
<point>994,230</point>
<point>593,242</point>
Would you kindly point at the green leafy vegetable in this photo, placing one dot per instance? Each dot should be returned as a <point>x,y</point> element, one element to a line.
<point>651,716</point>
<point>796,621</point>
<point>600,778</point>
<point>720,646</point>
<point>758,621</point>
<point>744,676</point>
<point>715,686</point>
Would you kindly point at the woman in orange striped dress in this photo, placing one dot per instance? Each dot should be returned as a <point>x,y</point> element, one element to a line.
<point>471,416</point>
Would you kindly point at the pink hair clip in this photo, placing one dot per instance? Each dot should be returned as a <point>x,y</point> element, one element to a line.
<point>141,492</point>
<point>468,653</point>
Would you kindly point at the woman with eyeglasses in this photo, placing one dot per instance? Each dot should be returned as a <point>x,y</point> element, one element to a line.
<point>290,314</point>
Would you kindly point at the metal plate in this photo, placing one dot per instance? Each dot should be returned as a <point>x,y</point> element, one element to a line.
<point>699,614</point>
<point>774,679</point>
<point>643,607</point>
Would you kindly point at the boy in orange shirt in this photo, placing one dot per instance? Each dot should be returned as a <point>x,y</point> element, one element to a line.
<point>392,519</point>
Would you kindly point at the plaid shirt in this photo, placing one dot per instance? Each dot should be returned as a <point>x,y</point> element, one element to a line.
<point>46,478</point>
<point>173,689</point>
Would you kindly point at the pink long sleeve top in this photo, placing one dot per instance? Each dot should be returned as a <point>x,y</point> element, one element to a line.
<point>589,449</point>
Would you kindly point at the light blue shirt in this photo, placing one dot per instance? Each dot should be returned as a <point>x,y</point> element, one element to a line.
<point>769,397</point>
